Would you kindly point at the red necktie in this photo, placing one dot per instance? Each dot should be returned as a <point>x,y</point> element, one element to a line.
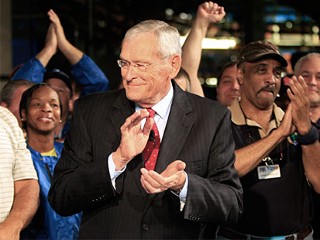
<point>150,152</point>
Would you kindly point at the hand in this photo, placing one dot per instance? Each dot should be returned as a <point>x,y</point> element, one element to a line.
<point>172,177</point>
<point>298,95</point>
<point>133,138</point>
<point>51,40</point>
<point>55,22</point>
<point>210,12</point>
<point>50,47</point>
<point>286,127</point>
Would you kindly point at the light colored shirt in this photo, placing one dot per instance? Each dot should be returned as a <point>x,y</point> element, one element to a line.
<point>239,118</point>
<point>16,163</point>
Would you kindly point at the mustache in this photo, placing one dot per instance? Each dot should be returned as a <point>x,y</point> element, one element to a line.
<point>269,88</point>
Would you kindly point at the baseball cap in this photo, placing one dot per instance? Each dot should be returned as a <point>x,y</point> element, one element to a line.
<point>259,50</point>
<point>57,73</point>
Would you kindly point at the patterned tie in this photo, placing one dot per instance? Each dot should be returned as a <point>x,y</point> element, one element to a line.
<point>150,152</point>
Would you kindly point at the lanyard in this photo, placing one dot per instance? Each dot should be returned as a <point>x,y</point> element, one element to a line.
<point>267,159</point>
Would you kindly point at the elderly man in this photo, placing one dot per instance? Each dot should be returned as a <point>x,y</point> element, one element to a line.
<point>276,171</point>
<point>150,160</point>
<point>308,67</point>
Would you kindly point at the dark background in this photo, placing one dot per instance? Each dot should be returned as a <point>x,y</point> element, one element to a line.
<point>98,26</point>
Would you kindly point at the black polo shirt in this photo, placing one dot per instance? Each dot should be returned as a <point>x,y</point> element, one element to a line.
<point>276,206</point>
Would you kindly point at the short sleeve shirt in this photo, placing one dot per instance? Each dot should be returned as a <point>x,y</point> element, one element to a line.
<point>16,163</point>
<point>274,206</point>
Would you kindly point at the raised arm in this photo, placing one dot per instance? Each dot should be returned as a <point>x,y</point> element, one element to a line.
<point>50,47</point>
<point>34,69</point>
<point>72,53</point>
<point>208,12</point>
<point>84,70</point>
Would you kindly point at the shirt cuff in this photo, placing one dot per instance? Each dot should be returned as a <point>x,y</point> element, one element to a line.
<point>182,194</point>
<point>112,171</point>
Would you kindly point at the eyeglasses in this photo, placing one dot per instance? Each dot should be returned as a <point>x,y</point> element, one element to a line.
<point>140,66</point>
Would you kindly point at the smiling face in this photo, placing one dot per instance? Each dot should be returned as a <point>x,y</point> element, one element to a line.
<point>146,86</point>
<point>260,82</point>
<point>309,69</point>
<point>43,113</point>
<point>64,94</point>
<point>229,88</point>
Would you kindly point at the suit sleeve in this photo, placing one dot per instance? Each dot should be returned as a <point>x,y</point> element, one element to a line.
<point>81,180</point>
<point>217,197</point>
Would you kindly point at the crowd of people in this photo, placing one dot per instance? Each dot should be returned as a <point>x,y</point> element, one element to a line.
<point>155,158</point>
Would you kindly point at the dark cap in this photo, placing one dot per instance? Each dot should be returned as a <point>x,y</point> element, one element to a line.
<point>57,73</point>
<point>259,50</point>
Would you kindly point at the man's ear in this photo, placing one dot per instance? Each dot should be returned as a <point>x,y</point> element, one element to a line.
<point>70,105</point>
<point>4,104</point>
<point>175,62</point>
<point>240,76</point>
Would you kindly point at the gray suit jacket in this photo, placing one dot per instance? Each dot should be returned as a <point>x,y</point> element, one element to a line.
<point>198,132</point>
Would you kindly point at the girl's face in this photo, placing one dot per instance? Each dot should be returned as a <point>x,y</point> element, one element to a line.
<point>44,113</point>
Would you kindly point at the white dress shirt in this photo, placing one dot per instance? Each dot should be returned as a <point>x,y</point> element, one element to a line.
<point>162,110</point>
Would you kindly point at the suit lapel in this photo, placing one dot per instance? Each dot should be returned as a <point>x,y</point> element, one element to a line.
<point>122,108</point>
<point>176,132</point>
<point>177,129</point>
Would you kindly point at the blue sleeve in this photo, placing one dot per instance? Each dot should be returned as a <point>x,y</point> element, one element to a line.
<point>32,71</point>
<point>88,75</point>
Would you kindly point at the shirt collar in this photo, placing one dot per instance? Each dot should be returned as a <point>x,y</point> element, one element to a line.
<point>162,108</point>
<point>238,117</point>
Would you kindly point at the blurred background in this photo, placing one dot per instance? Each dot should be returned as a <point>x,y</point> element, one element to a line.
<point>98,26</point>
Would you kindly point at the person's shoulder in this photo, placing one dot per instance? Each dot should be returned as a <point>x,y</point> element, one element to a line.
<point>207,103</point>
<point>100,97</point>
<point>8,118</point>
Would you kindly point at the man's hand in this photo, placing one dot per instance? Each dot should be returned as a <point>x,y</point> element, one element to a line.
<point>50,47</point>
<point>286,127</point>
<point>210,12</point>
<point>133,138</point>
<point>55,22</point>
<point>298,94</point>
<point>172,177</point>
<point>51,39</point>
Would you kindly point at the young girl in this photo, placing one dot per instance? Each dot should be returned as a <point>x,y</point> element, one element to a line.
<point>40,110</point>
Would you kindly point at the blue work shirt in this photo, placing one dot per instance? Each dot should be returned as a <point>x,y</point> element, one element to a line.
<point>47,224</point>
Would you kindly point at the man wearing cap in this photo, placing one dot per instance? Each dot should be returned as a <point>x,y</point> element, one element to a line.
<point>277,153</point>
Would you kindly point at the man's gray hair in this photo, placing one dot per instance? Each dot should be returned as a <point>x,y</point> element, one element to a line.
<point>298,64</point>
<point>8,90</point>
<point>169,37</point>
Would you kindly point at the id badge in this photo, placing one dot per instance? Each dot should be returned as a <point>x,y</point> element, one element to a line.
<point>268,172</point>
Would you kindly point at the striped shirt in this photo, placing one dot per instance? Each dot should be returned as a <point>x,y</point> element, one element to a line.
<point>16,162</point>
